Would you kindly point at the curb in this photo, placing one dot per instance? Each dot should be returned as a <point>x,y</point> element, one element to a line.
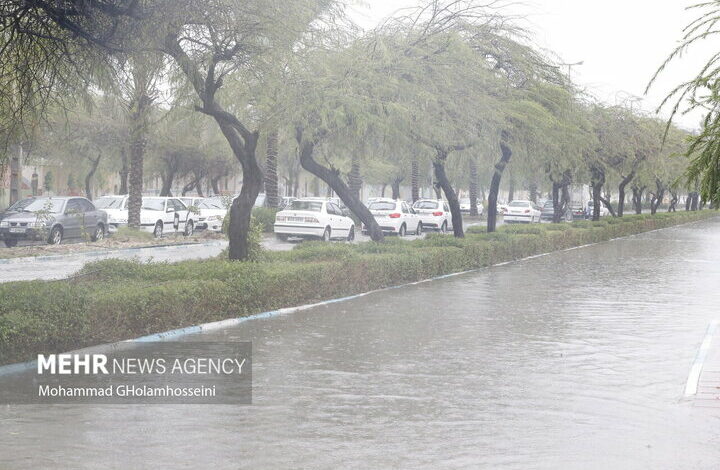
<point>42,258</point>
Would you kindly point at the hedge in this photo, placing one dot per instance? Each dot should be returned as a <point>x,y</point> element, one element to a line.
<point>111,300</point>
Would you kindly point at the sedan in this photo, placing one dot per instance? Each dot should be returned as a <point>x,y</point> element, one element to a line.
<point>395,217</point>
<point>159,214</point>
<point>548,212</point>
<point>212,212</point>
<point>522,212</point>
<point>54,219</point>
<point>313,218</point>
<point>434,214</point>
<point>116,208</point>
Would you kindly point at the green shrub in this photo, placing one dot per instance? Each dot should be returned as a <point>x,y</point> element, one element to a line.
<point>265,216</point>
<point>129,233</point>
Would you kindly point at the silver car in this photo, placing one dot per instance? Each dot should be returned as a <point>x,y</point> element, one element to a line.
<point>54,219</point>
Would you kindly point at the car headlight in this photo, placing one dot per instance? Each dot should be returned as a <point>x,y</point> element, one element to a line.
<point>4,224</point>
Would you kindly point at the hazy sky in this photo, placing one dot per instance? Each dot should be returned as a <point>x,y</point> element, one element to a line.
<point>622,42</point>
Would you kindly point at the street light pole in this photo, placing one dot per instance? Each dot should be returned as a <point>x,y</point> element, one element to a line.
<point>570,66</point>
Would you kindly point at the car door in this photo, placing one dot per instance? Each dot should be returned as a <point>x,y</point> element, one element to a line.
<point>72,219</point>
<point>342,222</point>
<point>90,218</point>
<point>448,215</point>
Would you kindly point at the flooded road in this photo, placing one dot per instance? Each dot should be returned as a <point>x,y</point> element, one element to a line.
<point>573,360</point>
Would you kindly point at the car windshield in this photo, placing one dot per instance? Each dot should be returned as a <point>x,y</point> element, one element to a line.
<point>311,206</point>
<point>519,204</point>
<point>382,206</point>
<point>153,204</point>
<point>426,205</point>
<point>548,205</point>
<point>53,206</point>
<point>211,205</point>
<point>111,203</point>
<point>20,204</point>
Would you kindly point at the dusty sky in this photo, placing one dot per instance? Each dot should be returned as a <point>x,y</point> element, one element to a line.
<point>622,42</point>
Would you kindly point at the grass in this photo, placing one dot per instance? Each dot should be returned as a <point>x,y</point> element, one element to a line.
<point>113,300</point>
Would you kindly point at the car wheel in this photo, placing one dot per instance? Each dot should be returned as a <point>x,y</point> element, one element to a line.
<point>443,228</point>
<point>11,243</point>
<point>158,230</point>
<point>99,233</point>
<point>326,235</point>
<point>56,235</point>
<point>403,231</point>
<point>351,234</point>
<point>419,229</point>
<point>189,228</point>
<point>281,236</point>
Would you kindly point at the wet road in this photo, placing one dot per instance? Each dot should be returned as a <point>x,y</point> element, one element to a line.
<point>574,360</point>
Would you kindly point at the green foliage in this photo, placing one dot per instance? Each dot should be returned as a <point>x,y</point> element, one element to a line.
<point>265,216</point>
<point>132,234</point>
<point>254,237</point>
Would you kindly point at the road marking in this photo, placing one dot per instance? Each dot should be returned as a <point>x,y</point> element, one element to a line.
<point>691,387</point>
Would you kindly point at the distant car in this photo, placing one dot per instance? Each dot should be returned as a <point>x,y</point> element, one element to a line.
<point>260,200</point>
<point>522,212</point>
<point>395,217</point>
<point>465,206</point>
<point>434,214</point>
<point>548,212</point>
<point>212,212</point>
<point>578,211</point>
<point>54,219</point>
<point>502,208</point>
<point>116,209</point>
<point>604,211</point>
<point>313,218</point>
<point>159,214</point>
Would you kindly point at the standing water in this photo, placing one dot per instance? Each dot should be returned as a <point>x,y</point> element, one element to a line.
<point>575,360</point>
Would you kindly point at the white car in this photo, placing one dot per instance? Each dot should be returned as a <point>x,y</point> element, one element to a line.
<point>116,208</point>
<point>395,217</point>
<point>211,214</point>
<point>523,212</point>
<point>161,214</point>
<point>434,214</point>
<point>191,202</point>
<point>604,211</point>
<point>313,218</point>
<point>465,206</point>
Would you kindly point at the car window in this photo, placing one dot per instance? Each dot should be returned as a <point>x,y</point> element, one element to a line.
<point>53,206</point>
<point>426,205</point>
<point>86,205</point>
<point>337,209</point>
<point>382,206</point>
<point>404,208</point>
<point>111,203</point>
<point>210,205</point>
<point>74,206</point>
<point>519,204</point>
<point>153,204</point>
<point>445,207</point>
<point>310,206</point>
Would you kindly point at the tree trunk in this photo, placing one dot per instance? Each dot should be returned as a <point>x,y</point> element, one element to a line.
<point>354,179</point>
<point>695,201</point>
<point>473,186</point>
<point>533,189</point>
<point>167,182</point>
<point>511,190</point>
<point>395,185</point>
<point>415,179</point>
<point>495,182</point>
<point>673,202</point>
<point>214,184</point>
<point>621,192</point>
<point>596,183</point>
<point>271,176</point>
<point>88,178</point>
<point>332,177</point>
<point>450,194</point>
<point>138,141</point>
<point>124,170</point>
<point>637,198</point>
<point>437,188</point>
<point>382,190</point>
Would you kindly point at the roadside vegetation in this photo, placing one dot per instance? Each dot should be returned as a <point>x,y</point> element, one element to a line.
<point>114,300</point>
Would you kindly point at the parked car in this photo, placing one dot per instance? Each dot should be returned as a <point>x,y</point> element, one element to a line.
<point>260,200</point>
<point>502,208</point>
<point>116,209</point>
<point>212,212</point>
<point>54,219</point>
<point>313,218</point>
<point>395,217</point>
<point>434,214</point>
<point>522,212</point>
<point>604,211</point>
<point>578,211</point>
<point>465,206</point>
<point>548,212</point>
<point>335,200</point>
<point>161,213</point>
<point>285,201</point>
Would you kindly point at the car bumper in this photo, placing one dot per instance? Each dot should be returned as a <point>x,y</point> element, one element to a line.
<point>518,218</point>
<point>28,234</point>
<point>299,230</point>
